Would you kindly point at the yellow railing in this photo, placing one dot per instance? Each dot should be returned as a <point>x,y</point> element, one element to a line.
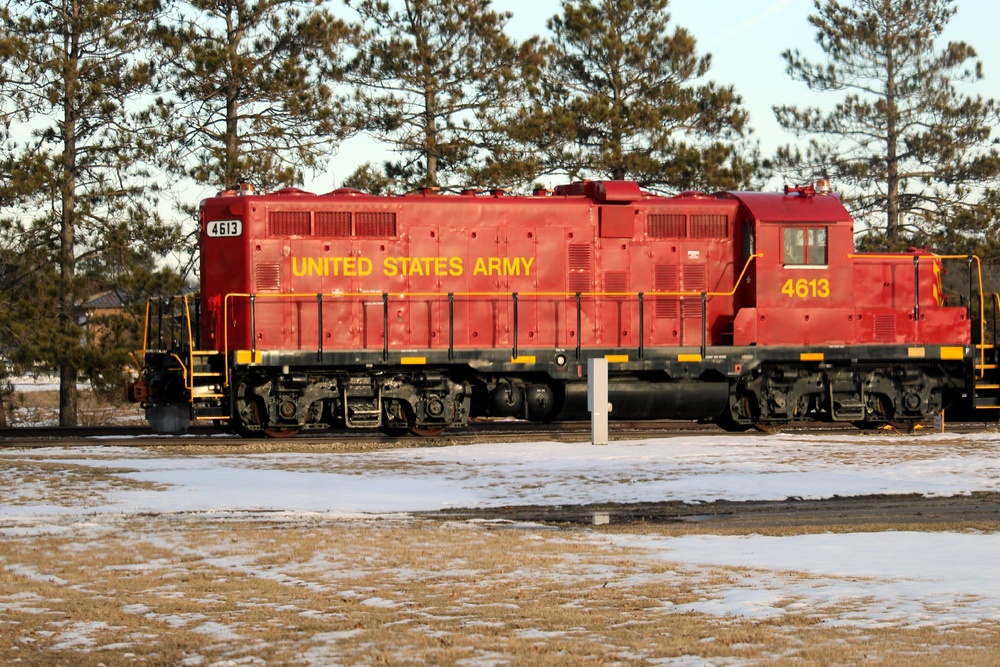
<point>470,294</point>
<point>188,375</point>
<point>979,274</point>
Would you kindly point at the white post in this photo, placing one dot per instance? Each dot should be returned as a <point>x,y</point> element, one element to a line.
<point>597,400</point>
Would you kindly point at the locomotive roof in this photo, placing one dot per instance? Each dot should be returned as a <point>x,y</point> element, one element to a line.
<point>792,206</point>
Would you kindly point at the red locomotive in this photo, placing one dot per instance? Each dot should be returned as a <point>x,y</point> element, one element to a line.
<point>421,312</point>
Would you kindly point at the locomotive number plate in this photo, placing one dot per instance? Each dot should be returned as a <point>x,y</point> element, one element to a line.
<point>803,288</point>
<point>218,228</point>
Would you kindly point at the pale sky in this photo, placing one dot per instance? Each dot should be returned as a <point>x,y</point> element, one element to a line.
<point>746,39</point>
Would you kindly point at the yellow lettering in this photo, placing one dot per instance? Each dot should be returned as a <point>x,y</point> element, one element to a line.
<point>390,267</point>
<point>804,289</point>
<point>501,266</point>
<point>456,266</point>
<point>340,266</point>
<point>313,266</point>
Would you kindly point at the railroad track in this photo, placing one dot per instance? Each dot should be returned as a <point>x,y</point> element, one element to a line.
<point>143,436</point>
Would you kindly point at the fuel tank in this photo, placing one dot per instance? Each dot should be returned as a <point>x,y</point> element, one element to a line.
<point>650,400</point>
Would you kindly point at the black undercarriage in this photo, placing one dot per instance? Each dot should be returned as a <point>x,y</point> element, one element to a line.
<point>283,393</point>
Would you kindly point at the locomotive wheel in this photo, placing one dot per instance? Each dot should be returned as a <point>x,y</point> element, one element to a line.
<point>867,425</point>
<point>728,422</point>
<point>281,434</point>
<point>904,425</point>
<point>278,433</point>
<point>427,431</point>
<point>770,428</point>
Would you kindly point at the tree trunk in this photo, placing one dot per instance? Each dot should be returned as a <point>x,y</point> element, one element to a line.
<point>430,136</point>
<point>67,236</point>
<point>68,403</point>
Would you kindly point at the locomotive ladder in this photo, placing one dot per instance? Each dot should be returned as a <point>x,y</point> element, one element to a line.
<point>987,377</point>
<point>203,371</point>
<point>205,383</point>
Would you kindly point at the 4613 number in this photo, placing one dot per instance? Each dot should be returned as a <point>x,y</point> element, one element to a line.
<point>220,228</point>
<point>804,289</point>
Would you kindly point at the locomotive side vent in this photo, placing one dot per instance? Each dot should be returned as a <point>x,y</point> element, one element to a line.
<point>267,278</point>
<point>375,223</point>
<point>665,280</point>
<point>695,279</point>
<point>709,227</point>
<point>580,263</point>
<point>616,281</point>
<point>666,225</point>
<point>884,328</point>
<point>288,223</point>
<point>333,223</point>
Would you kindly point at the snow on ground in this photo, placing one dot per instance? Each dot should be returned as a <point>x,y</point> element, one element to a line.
<point>44,381</point>
<point>885,578</point>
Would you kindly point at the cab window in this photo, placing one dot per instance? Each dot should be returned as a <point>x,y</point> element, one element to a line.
<point>804,246</point>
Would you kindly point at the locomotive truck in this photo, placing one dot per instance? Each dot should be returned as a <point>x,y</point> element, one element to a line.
<point>419,312</point>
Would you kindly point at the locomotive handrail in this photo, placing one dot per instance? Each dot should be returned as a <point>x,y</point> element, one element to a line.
<point>979,272</point>
<point>145,329</point>
<point>514,296</point>
<point>184,373</point>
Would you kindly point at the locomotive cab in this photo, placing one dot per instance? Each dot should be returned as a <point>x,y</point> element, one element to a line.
<point>796,295</point>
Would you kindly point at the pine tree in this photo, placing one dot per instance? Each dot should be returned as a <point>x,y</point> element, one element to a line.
<point>70,73</point>
<point>910,149</point>
<point>619,98</point>
<point>428,74</point>
<point>250,89</point>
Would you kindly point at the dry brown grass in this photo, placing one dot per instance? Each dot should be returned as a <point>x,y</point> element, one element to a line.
<point>41,408</point>
<point>196,590</point>
<point>180,590</point>
<point>24,482</point>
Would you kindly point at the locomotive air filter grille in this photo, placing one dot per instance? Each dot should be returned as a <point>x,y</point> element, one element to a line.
<point>884,328</point>
<point>333,223</point>
<point>267,278</point>
<point>375,223</point>
<point>288,223</point>
<point>665,280</point>
<point>666,226</point>
<point>695,279</point>
<point>708,227</point>
<point>616,281</point>
<point>580,262</point>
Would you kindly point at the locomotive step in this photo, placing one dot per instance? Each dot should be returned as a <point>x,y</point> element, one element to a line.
<point>363,418</point>
<point>211,414</point>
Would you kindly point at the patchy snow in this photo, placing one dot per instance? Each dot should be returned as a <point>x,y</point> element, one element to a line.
<point>874,579</point>
<point>42,381</point>
<point>900,579</point>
